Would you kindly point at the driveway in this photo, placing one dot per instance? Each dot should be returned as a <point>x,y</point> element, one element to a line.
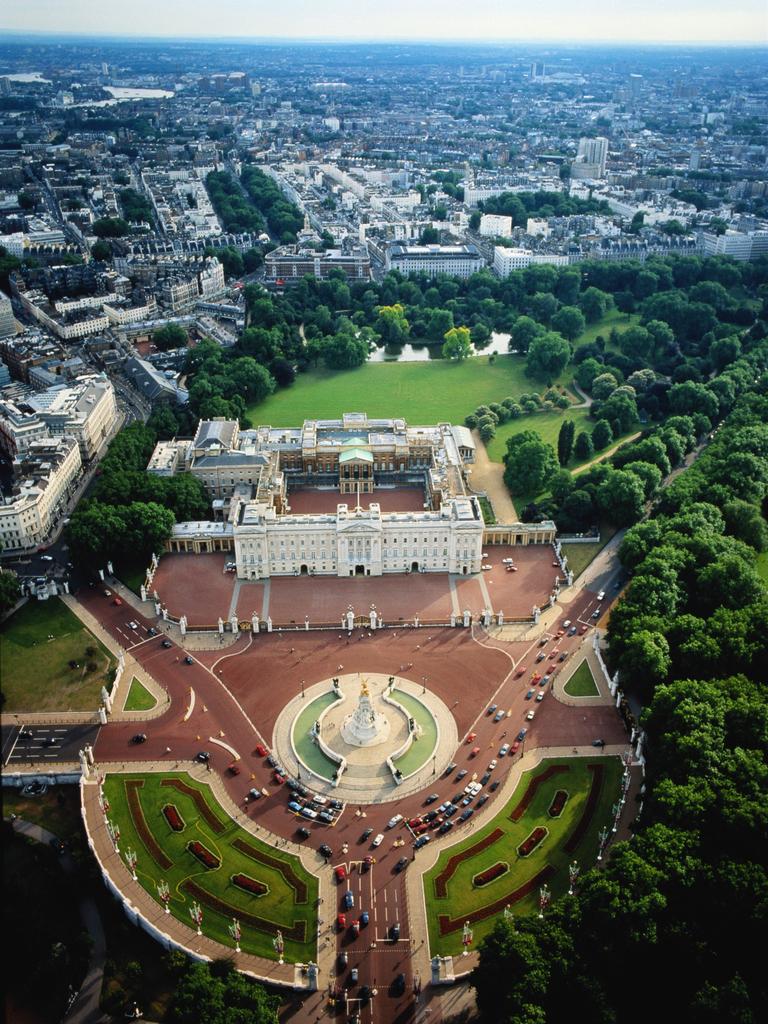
<point>489,477</point>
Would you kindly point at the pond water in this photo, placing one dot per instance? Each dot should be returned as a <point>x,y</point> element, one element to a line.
<point>420,353</point>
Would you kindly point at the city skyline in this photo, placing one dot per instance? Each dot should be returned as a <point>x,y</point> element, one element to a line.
<point>654,22</point>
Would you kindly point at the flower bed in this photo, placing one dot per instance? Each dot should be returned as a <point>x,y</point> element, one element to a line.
<point>534,839</point>
<point>250,885</point>
<point>206,813</point>
<point>173,818</point>
<point>533,785</point>
<point>132,787</point>
<point>452,924</point>
<point>589,808</point>
<point>203,854</point>
<point>490,874</point>
<point>296,931</point>
<point>558,803</point>
<point>442,880</point>
<point>285,869</point>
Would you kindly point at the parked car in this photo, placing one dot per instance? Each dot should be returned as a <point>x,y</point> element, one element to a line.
<point>504,750</point>
<point>326,851</point>
<point>166,643</point>
<point>326,817</point>
<point>364,918</point>
<point>466,815</point>
<point>349,899</point>
<point>294,806</point>
<point>529,694</point>
<point>354,974</point>
<point>398,985</point>
<point>521,735</point>
<point>343,958</point>
<point>494,786</point>
<point>394,820</point>
<point>491,709</point>
<point>450,768</point>
<point>445,827</point>
<point>461,774</point>
<point>421,841</point>
<point>133,625</point>
<point>261,750</point>
<point>539,696</point>
<point>402,863</point>
<point>340,873</point>
<point>481,800</point>
<point>485,778</point>
<point>520,672</point>
<point>394,932</point>
<point>234,768</point>
<point>499,715</point>
<point>341,922</point>
<point>431,798</point>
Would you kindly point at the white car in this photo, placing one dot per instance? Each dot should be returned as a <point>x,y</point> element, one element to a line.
<point>566,624</point>
<point>601,596</point>
<point>378,840</point>
<point>531,714</point>
<point>492,765</point>
<point>394,821</point>
<point>486,568</point>
<point>507,561</point>
<point>133,625</point>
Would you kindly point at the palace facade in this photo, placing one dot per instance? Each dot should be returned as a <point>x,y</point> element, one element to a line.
<point>345,465</point>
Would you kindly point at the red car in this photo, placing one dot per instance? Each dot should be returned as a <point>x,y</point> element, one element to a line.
<point>355,926</point>
<point>279,779</point>
<point>515,747</point>
<point>470,737</point>
<point>521,671</point>
<point>423,827</point>
<point>536,677</point>
<point>341,922</point>
<point>118,601</point>
<point>234,768</point>
<point>340,872</point>
<point>583,630</point>
<point>415,821</point>
<point>261,750</point>
<point>474,752</point>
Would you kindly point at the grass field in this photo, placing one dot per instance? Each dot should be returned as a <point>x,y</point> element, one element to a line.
<point>762,565</point>
<point>308,750</point>
<point>421,749</point>
<point>580,555</point>
<point>139,697</point>
<point>463,899</point>
<point>582,683</point>
<point>545,424</point>
<point>34,669</point>
<point>282,906</point>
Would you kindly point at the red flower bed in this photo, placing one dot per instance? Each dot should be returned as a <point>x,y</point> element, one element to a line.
<point>200,803</point>
<point>533,785</point>
<point>558,803</point>
<point>491,874</point>
<point>204,855</point>
<point>453,924</point>
<point>286,870</point>
<point>442,880</point>
<point>589,808</point>
<point>132,787</point>
<point>296,931</point>
<point>249,884</point>
<point>173,818</point>
<point>529,845</point>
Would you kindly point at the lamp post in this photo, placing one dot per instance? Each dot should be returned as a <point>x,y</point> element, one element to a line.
<point>164,893</point>
<point>196,913</point>
<point>573,874</point>
<point>545,897</point>
<point>466,938</point>
<point>603,839</point>
<point>434,759</point>
<point>424,684</point>
<point>302,687</point>
<point>508,915</point>
<point>131,860</point>
<point>114,835</point>
<point>279,945</point>
<point>234,931</point>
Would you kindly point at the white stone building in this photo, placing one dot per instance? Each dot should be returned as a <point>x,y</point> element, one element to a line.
<point>46,474</point>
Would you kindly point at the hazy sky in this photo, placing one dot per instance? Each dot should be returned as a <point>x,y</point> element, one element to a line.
<point>713,21</point>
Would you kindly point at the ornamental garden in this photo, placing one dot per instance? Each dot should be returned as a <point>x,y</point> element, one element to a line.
<point>183,837</point>
<point>552,818</point>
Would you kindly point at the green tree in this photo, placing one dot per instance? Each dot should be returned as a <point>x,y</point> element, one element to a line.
<point>548,356</point>
<point>440,322</point>
<point>602,435</point>
<point>110,227</point>
<point>391,324</point>
<point>101,250</point>
<point>594,304</point>
<point>524,330</point>
<point>583,448</point>
<point>565,441</point>
<point>620,498</point>
<point>529,463</point>
<point>458,344</point>
<point>569,321</point>
<point>169,336</point>
<point>10,591</point>
<point>603,386</point>
<point>217,995</point>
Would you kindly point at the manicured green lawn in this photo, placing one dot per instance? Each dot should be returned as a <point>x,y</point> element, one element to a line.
<point>545,424</point>
<point>308,750</point>
<point>139,697</point>
<point>34,670</point>
<point>580,555</point>
<point>463,898</point>
<point>621,321</point>
<point>582,683</point>
<point>432,392</point>
<point>279,906</point>
<point>421,749</point>
<point>762,565</point>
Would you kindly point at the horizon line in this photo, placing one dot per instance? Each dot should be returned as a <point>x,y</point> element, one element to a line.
<point>390,40</point>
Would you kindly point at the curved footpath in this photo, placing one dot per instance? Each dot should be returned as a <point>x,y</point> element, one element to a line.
<point>85,1009</point>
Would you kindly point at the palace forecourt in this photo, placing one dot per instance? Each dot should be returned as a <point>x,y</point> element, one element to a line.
<point>346,497</point>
